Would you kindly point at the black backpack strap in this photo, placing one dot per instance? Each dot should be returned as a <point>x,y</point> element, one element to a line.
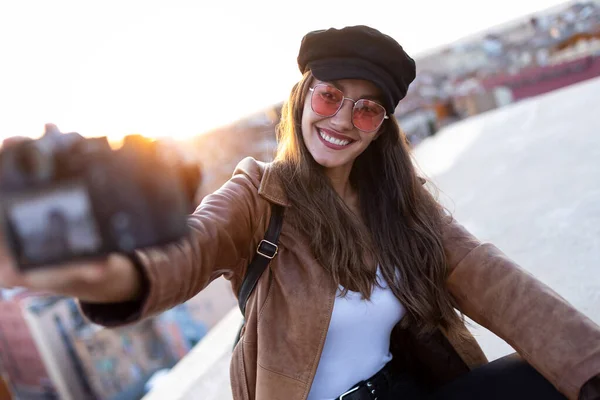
<point>265,252</point>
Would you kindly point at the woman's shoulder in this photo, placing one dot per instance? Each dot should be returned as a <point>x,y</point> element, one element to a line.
<point>263,177</point>
<point>251,169</point>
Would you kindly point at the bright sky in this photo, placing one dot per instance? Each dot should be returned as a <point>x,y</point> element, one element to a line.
<point>178,67</point>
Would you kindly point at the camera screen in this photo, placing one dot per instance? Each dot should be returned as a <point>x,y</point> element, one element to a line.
<point>53,225</point>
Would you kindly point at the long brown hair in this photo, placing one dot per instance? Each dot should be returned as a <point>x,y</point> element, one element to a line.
<point>399,228</point>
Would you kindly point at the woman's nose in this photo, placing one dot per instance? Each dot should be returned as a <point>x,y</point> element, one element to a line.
<point>342,120</point>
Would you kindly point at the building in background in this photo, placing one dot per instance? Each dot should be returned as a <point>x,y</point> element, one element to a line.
<point>551,50</point>
<point>23,365</point>
<point>54,324</point>
<point>221,149</point>
<point>120,361</point>
<point>86,361</point>
<point>49,351</point>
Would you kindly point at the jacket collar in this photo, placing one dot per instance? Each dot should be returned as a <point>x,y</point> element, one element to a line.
<point>271,188</point>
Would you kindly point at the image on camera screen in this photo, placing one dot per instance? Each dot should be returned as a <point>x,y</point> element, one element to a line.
<point>53,225</point>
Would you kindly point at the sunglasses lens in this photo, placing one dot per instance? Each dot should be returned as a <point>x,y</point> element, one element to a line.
<point>368,115</point>
<point>326,100</point>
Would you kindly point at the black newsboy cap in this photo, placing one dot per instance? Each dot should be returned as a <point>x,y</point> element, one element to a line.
<point>359,52</point>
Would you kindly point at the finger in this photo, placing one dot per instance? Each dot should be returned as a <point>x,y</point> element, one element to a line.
<point>66,278</point>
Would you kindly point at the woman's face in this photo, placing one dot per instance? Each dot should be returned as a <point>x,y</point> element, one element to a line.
<point>334,142</point>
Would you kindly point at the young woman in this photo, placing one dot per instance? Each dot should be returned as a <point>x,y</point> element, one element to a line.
<point>360,300</point>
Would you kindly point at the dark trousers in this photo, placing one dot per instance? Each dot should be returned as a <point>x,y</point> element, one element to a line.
<point>508,378</point>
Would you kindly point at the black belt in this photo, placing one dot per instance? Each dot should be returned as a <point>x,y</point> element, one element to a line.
<point>377,385</point>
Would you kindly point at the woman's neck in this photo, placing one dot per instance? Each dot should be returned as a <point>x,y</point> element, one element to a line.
<point>340,181</point>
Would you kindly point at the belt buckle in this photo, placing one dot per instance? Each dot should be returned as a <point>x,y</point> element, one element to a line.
<point>354,389</point>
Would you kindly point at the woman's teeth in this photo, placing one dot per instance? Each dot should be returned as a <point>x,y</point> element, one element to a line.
<point>333,140</point>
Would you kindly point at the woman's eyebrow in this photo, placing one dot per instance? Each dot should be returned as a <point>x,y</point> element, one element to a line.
<point>373,97</point>
<point>378,99</point>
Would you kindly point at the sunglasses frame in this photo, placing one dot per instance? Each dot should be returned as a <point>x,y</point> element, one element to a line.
<point>344,98</point>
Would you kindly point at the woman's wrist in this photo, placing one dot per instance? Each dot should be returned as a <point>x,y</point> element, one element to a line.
<point>139,281</point>
<point>125,301</point>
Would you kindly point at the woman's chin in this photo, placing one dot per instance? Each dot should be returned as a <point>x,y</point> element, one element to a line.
<point>328,162</point>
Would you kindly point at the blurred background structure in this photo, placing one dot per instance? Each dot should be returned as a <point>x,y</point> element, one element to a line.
<point>48,351</point>
<point>506,123</point>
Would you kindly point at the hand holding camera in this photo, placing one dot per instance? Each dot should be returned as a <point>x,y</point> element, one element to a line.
<point>75,202</point>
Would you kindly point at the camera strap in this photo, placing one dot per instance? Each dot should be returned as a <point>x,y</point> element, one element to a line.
<point>267,250</point>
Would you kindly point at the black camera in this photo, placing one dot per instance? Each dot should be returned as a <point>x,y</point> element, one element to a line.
<point>65,197</point>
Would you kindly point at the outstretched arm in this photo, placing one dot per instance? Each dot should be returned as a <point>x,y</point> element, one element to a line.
<point>548,332</point>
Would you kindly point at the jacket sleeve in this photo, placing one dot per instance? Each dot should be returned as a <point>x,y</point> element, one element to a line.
<point>548,332</point>
<point>222,237</point>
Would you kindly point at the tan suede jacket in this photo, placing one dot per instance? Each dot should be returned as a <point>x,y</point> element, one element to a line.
<point>288,314</point>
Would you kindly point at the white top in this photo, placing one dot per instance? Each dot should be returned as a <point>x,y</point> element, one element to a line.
<point>358,340</point>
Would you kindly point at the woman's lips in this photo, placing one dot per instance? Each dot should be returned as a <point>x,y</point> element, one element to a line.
<point>333,136</point>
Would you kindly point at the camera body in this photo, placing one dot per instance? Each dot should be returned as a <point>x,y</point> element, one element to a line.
<point>65,197</point>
